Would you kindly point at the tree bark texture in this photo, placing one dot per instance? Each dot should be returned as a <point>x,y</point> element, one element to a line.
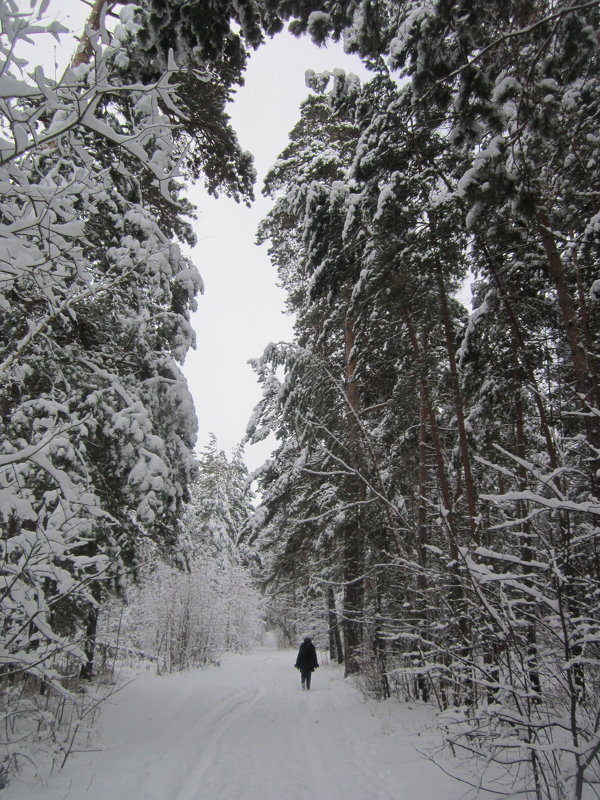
<point>336,652</point>
<point>470,493</point>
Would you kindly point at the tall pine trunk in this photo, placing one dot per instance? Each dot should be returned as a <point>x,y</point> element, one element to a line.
<point>336,652</point>
<point>470,493</point>
<point>527,553</point>
<point>584,377</point>
<point>352,534</point>
<point>462,634</point>
<point>523,357</point>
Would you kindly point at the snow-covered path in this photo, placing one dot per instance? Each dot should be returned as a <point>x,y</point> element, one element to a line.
<point>246,731</point>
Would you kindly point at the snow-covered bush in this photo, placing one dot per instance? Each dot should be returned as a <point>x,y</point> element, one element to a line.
<point>189,619</point>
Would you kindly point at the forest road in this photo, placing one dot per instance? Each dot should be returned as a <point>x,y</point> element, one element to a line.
<point>246,731</point>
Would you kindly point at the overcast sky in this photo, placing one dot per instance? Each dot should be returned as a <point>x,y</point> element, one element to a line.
<point>242,308</point>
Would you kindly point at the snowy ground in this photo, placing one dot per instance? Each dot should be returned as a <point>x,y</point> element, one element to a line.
<point>246,731</point>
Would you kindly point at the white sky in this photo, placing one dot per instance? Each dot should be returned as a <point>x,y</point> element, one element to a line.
<point>242,308</point>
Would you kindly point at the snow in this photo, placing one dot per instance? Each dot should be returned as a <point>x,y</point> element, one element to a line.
<point>319,23</point>
<point>245,730</point>
<point>505,86</point>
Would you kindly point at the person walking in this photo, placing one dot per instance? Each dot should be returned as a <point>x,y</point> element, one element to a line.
<point>306,661</point>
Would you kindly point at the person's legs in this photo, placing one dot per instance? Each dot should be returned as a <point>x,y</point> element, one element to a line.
<point>308,674</point>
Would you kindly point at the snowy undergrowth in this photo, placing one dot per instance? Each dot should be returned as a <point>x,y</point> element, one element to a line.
<point>43,724</point>
<point>179,620</point>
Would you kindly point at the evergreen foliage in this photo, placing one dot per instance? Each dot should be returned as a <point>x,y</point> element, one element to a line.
<point>438,468</point>
<point>97,427</point>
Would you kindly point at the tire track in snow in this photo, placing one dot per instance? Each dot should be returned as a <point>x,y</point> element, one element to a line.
<point>208,734</point>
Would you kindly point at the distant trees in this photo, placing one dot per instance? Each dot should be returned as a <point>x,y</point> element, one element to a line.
<point>218,515</point>
<point>184,618</point>
<point>437,469</point>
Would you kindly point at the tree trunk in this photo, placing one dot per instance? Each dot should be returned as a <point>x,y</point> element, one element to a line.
<point>89,645</point>
<point>85,49</point>
<point>380,650</point>
<point>463,443</point>
<point>524,359</point>
<point>353,608</point>
<point>352,535</point>
<point>435,439</point>
<point>463,684</point>
<point>584,382</point>
<point>527,553</point>
<point>421,537</point>
<point>336,652</point>
<point>421,681</point>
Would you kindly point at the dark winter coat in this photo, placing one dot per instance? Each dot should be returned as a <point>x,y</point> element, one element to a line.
<point>307,656</point>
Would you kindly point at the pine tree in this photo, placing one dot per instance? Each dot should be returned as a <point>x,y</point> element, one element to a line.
<point>220,507</point>
<point>470,164</point>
